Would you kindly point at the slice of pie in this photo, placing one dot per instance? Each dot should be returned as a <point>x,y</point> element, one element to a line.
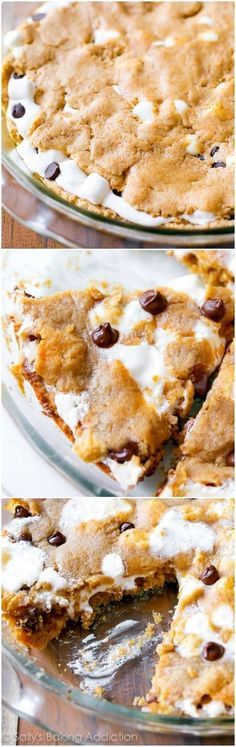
<point>207,466</point>
<point>63,559</point>
<point>116,372</point>
<point>215,267</point>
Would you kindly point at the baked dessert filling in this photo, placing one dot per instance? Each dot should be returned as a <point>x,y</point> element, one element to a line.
<point>63,559</point>
<point>127,107</point>
<point>215,267</point>
<point>207,466</point>
<point>116,371</point>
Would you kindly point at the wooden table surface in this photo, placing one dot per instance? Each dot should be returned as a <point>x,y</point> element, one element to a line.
<point>16,236</point>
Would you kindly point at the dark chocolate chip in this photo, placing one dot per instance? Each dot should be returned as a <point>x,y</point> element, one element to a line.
<point>32,338</point>
<point>38,16</point>
<point>116,192</point>
<point>201,158</point>
<point>230,459</point>
<point>210,575</point>
<point>125,454</point>
<point>21,512</point>
<point>125,526</point>
<point>200,386</point>
<point>52,171</point>
<point>30,621</point>
<point>17,76</point>
<point>37,150</point>
<point>57,539</point>
<point>105,336</point>
<point>24,537</point>
<point>214,150</point>
<point>18,111</point>
<point>139,581</point>
<point>214,309</point>
<point>218,165</point>
<point>213,651</point>
<point>153,302</point>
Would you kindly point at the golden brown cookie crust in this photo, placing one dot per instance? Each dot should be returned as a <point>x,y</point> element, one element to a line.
<point>149,163</point>
<point>204,529</point>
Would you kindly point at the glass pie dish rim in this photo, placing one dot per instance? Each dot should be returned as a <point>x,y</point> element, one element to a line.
<point>110,711</point>
<point>48,453</point>
<point>101,222</point>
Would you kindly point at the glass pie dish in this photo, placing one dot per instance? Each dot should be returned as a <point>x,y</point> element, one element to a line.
<point>82,686</point>
<point>30,202</point>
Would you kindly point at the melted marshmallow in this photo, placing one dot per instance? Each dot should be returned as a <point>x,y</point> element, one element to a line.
<point>212,709</point>
<point>206,20</point>
<point>22,564</point>
<point>192,146</point>
<point>168,42</point>
<point>144,362</point>
<point>72,408</point>
<point>191,285</point>
<point>52,4</point>
<point>199,490</point>
<point>112,565</point>
<point>199,217</point>
<point>174,535</point>
<point>198,631</point>
<point>102,36</point>
<point>21,90</point>
<point>53,578</point>
<point>205,330</point>
<point>12,39</point>
<point>127,474</point>
<point>38,162</point>
<point>180,106</point>
<point>208,36</point>
<point>14,528</point>
<point>130,315</point>
<point>222,617</point>
<point>29,350</point>
<point>77,511</point>
<point>144,110</point>
<point>72,179</point>
<point>94,188</point>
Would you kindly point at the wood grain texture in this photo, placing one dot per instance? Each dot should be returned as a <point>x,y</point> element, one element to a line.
<point>16,236</point>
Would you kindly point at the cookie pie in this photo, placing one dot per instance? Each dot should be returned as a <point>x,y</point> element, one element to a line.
<point>63,559</point>
<point>116,372</point>
<point>215,267</point>
<point>127,108</point>
<point>207,466</point>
